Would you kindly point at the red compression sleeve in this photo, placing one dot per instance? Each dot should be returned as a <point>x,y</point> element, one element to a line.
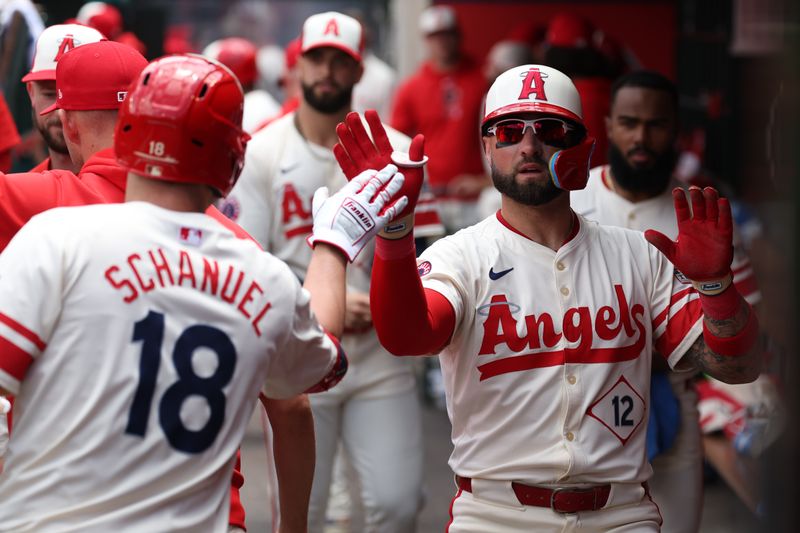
<point>409,320</point>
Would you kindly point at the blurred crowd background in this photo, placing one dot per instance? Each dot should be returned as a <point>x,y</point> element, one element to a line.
<point>735,63</point>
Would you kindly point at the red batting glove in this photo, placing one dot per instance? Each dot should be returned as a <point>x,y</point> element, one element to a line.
<point>704,250</point>
<point>356,152</point>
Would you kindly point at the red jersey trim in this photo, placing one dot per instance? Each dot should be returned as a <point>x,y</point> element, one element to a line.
<point>22,330</point>
<point>677,328</point>
<point>302,230</point>
<point>675,298</point>
<point>427,218</point>
<point>15,360</point>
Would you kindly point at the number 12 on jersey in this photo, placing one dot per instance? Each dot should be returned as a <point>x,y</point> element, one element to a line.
<point>150,332</point>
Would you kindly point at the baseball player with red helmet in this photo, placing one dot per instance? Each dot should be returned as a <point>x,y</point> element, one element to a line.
<point>546,323</point>
<point>181,321</point>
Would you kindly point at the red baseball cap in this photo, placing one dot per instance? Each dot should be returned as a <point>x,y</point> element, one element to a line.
<point>96,76</point>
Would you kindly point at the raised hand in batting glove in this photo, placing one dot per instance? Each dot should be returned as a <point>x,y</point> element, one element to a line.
<point>704,250</point>
<point>355,214</point>
<point>356,152</point>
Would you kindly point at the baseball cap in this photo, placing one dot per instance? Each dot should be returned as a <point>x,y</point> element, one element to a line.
<point>96,76</point>
<point>334,30</point>
<point>53,43</point>
<point>438,18</point>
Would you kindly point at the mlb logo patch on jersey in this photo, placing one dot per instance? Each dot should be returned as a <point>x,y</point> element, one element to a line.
<point>424,268</point>
<point>191,236</point>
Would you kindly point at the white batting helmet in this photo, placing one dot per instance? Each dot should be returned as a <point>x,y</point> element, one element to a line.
<point>533,88</point>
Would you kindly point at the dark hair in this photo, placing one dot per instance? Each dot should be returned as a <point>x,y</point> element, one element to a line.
<point>645,79</point>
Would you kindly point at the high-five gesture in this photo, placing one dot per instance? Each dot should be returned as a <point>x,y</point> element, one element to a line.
<point>704,249</point>
<point>356,152</point>
<point>355,214</point>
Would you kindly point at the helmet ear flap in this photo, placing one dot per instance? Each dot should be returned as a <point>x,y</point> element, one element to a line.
<point>569,168</point>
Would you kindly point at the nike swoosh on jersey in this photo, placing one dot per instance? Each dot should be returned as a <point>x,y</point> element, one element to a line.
<point>289,168</point>
<point>494,276</point>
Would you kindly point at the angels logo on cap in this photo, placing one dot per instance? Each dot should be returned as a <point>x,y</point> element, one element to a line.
<point>53,43</point>
<point>522,90</point>
<point>333,30</point>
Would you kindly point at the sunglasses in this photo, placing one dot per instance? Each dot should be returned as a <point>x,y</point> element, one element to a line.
<point>551,131</point>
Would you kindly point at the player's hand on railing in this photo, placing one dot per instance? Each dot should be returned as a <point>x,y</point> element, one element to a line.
<point>356,152</point>
<point>355,214</point>
<point>704,250</point>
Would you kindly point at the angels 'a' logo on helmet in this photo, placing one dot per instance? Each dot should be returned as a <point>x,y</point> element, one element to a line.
<point>533,84</point>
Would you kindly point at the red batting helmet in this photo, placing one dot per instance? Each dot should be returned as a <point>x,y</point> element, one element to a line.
<point>237,54</point>
<point>182,122</point>
<point>545,90</point>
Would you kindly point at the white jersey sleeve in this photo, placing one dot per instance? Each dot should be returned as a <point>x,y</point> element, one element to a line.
<point>30,301</point>
<point>306,354</point>
<point>675,310</point>
<point>249,201</point>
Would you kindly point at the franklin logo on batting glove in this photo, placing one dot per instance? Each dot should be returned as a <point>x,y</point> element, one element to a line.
<point>363,207</point>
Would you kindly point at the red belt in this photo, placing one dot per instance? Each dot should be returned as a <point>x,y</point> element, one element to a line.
<point>560,500</point>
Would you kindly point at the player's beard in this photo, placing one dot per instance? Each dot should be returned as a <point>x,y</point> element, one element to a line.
<point>651,180</point>
<point>54,141</point>
<point>529,193</point>
<point>330,103</point>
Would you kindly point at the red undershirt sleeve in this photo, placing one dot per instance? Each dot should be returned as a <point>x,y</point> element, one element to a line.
<point>409,319</point>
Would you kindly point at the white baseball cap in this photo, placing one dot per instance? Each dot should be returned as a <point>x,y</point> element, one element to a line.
<point>533,89</point>
<point>334,30</point>
<point>53,43</point>
<point>438,18</point>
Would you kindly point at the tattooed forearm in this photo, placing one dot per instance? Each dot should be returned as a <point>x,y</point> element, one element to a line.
<point>741,368</point>
<point>729,326</point>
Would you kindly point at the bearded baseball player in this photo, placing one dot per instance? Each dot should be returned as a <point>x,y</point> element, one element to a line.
<point>375,411</point>
<point>52,44</point>
<point>181,321</point>
<point>546,323</point>
<point>634,191</point>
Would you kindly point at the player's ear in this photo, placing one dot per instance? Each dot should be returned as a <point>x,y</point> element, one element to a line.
<point>68,123</point>
<point>487,146</point>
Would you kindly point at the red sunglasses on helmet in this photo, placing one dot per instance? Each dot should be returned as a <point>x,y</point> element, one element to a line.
<point>551,131</point>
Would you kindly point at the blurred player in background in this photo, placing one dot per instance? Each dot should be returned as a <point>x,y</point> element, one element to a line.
<point>375,412</point>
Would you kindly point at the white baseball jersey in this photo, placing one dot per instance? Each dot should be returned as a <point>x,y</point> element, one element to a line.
<point>598,202</point>
<point>272,202</point>
<point>548,369</point>
<point>259,105</point>
<point>136,340</point>
<point>376,87</point>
